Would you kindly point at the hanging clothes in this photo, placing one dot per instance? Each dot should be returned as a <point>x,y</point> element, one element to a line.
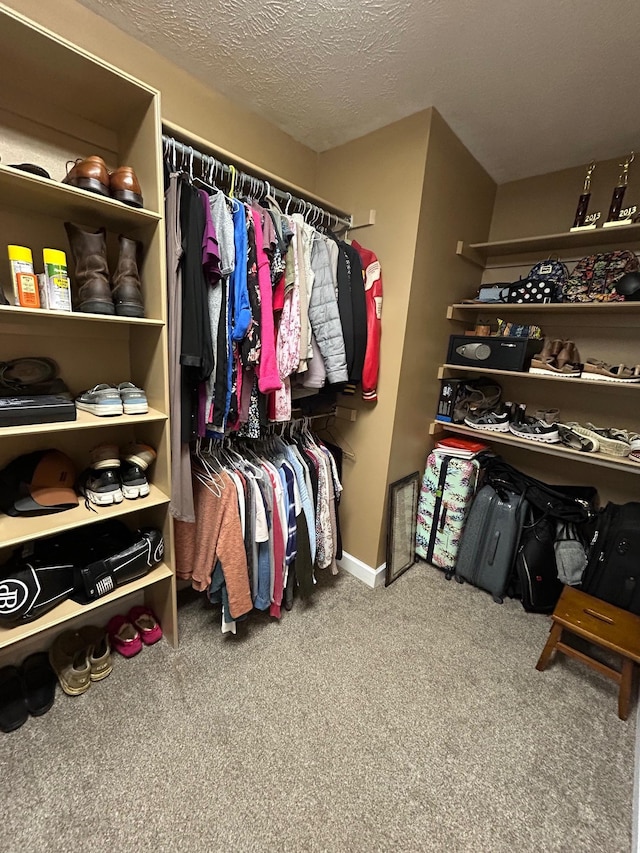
<point>263,526</point>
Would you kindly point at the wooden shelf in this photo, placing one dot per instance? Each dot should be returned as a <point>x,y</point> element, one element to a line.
<point>14,531</point>
<point>70,609</point>
<point>524,374</point>
<point>621,235</point>
<point>617,463</point>
<point>84,420</point>
<point>15,313</point>
<point>463,310</point>
<point>25,191</point>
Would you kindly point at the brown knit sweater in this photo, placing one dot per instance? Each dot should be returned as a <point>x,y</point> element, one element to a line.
<point>216,535</point>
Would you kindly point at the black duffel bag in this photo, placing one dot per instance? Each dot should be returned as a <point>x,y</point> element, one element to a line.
<point>574,504</point>
<point>84,565</point>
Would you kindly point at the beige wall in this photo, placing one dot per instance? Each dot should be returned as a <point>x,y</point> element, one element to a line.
<point>457,202</point>
<point>546,204</point>
<point>383,171</point>
<point>185,100</point>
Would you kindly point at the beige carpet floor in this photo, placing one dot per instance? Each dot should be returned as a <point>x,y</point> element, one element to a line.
<point>406,719</point>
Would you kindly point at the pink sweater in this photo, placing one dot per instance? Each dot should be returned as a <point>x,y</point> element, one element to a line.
<point>267,370</point>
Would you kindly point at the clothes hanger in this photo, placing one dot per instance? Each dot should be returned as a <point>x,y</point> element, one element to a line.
<point>233,181</point>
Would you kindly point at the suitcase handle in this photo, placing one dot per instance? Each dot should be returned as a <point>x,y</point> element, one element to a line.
<point>496,539</point>
<point>597,615</point>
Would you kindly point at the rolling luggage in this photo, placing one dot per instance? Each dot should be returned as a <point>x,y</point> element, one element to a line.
<point>446,494</point>
<point>490,541</point>
<point>613,568</point>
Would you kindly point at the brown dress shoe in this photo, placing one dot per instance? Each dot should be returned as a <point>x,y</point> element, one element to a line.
<point>125,282</point>
<point>89,174</point>
<point>125,187</point>
<point>89,250</point>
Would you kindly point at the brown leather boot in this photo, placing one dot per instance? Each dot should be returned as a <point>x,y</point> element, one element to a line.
<point>89,251</point>
<point>125,282</point>
<point>89,174</point>
<point>125,187</point>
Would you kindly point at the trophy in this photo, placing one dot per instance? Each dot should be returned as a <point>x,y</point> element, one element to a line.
<point>583,201</point>
<point>618,196</point>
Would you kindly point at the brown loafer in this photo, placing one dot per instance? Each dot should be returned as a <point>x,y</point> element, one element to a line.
<point>89,174</point>
<point>125,187</point>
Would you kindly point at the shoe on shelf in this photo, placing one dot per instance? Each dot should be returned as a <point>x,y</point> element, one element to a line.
<point>532,428</point>
<point>134,400</point>
<point>13,705</point>
<point>557,358</point>
<point>92,290</point>
<point>102,400</point>
<point>570,437</point>
<point>104,456</point>
<point>146,621</point>
<point>124,637</point>
<point>136,459</point>
<point>611,442</point>
<point>549,416</point>
<point>89,174</point>
<point>125,281</point>
<point>68,657</point>
<point>494,420</point>
<point>125,187</point>
<point>101,487</point>
<point>600,370</point>
<point>98,651</point>
<point>38,683</point>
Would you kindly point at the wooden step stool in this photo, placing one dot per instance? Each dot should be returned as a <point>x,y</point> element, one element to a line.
<point>603,625</point>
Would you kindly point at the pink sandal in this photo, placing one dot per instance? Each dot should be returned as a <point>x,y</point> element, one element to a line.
<point>124,637</point>
<point>144,619</point>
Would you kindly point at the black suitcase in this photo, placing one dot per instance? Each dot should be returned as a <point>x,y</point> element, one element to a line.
<point>491,536</point>
<point>613,569</point>
<point>536,567</point>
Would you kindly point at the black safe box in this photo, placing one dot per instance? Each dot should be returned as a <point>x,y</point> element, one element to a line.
<point>492,353</point>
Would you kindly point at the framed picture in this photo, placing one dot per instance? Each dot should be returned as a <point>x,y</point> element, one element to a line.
<point>402,508</point>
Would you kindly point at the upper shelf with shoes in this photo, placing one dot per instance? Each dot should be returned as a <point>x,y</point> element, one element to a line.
<point>26,191</point>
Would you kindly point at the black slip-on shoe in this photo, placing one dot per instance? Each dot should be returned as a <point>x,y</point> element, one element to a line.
<point>13,706</point>
<point>38,683</point>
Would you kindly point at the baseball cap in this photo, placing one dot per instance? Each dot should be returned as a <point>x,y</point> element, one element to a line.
<point>38,483</point>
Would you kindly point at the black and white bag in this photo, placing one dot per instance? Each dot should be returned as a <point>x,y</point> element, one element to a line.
<point>544,283</point>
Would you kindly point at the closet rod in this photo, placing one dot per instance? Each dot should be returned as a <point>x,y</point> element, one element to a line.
<point>173,149</point>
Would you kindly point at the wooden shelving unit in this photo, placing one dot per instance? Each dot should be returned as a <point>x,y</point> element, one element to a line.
<point>66,104</point>
<point>608,331</point>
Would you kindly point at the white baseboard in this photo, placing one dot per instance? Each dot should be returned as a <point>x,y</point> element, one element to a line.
<point>367,574</point>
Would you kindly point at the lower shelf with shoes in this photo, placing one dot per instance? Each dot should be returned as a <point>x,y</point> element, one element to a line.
<point>618,463</point>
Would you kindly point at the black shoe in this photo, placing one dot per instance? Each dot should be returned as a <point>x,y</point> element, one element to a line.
<point>13,706</point>
<point>102,487</point>
<point>134,480</point>
<point>38,683</point>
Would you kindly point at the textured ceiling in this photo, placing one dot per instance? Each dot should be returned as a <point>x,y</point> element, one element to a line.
<point>529,87</point>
